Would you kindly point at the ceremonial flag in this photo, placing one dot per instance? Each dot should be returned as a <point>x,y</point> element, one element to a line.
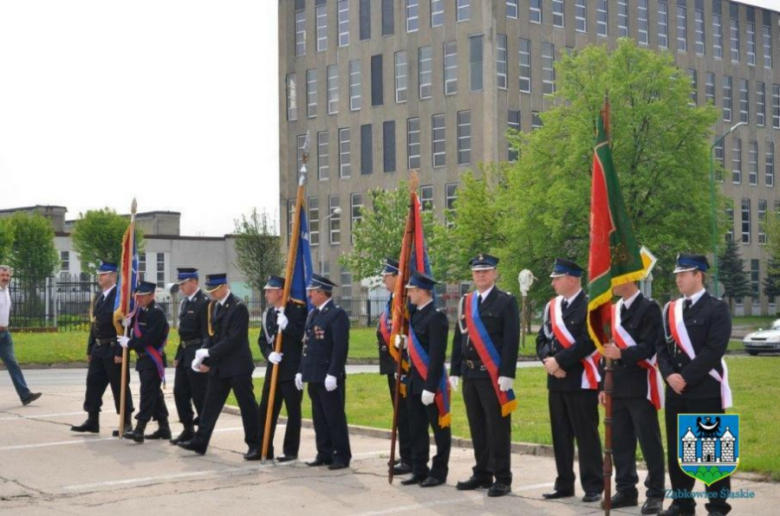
<point>303,268</point>
<point>127,278</point>
<point>614,255</point>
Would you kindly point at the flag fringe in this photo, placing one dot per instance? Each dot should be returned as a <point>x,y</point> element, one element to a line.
<point>607,296</point>
<point>508,408</point>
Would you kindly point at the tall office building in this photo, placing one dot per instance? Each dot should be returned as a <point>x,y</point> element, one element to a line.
<point>384,86</point>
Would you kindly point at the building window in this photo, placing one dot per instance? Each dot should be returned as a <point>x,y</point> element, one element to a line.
<point>580,16</point>
<point>450,68</point>
<point>767,36</point>
<point>426,198</point>
<point>761,221</point>
<point>536,120</point>
<point>751,43</point>
<point>643,25</point>
<point>161,270</point>
<point>377,81</point>
<point>557,9</point>
<point>355,85</point>
<point>323,156</point>
<point>709,88</point>
<point>314,221</point>
<point>699,28</point>
<point>335,220</point>
<point>775,106</point>
<point>475,62</point>
<point>513,121</point>
<point>439,141</point>
<point>64,261</point>
<point>769,164</point>
<point>718,149</point>
<point>464,137</point>
<point>388,145</point>
<point>366,150</point>
<point>333,89</point>
<point>548,68</point>
<point>292,102</point>
<point>682,29</point>
<point>364,17</point>
<point>744,113</point>
<point>501,66</point>
<point>602,17</point>
<point>437,13</point>
<point>451,195</point>
<point>745,221</point>
<point>400,76</point>
<point>300,33</point>
<point>524,50</point>
<point>760,104</point>
<point>343,8</point>
<point>726,98</point>
<point>388,17</point>
<point>734,32</point>
<point>413,142</point>
<point>753,163</point>
<point>464,10</point>
<point>412,15</point>
<point>345,300</point>
<point>622,18</point>
<point>142,256</point>
<point>322,28</point>
<point>730,217</point>
<point>311,93</point>
<point>511,9</point>
<point>345,154</point>
<point>694,87</point>
<point>736,161</point>
<point>425,57</point>
<point>663,24</point>
<point>754,275</point>
<point>717,35</point>
<point>301,143</point>
<point>535,14</point>
<point>356,212</point>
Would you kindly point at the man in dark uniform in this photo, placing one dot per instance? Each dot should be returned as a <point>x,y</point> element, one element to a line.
<point>189,387</point>
<point>637,329</point>
<point>389,367</point>
<point>569,356</point>
<point>487,386</point>
<point>229,364</point>
<point>104,356</point>
<point>323,367</point>
<point>290,319</point>
<point>148,336</point>
<point>698,383</point>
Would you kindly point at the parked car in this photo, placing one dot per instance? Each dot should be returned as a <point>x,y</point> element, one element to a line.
<point>763,340</point>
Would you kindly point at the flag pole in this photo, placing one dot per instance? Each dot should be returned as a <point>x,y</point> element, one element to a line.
<point>124,385</point>
<point>399,320</point>
<point>291,254</point>
<point>607,371</point>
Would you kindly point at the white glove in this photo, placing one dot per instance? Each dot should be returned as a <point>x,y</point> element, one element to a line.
<point>196,364</point>
<point>505,383</point>
<point>127,321</point>
<point>330,383</point>
<point>275,357</point>
<point>201,354</point>
<point>299,381</point>
<point>427,397</point>
<point>454,381</point>
<point>400,341</point>
<point>123,341</point>
<point>281,320</point>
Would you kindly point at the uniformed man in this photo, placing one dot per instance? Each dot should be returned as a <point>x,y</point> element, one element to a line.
<point>637,395</point>
<point>427,347</point>
<point>698,329</point>
<point>189,387</point>
<point>323,367</point>
<point>570,358</point>
<point>484,352</point>
<point>148,336</point>
<point>389,367</point>
<point>290,320</point>
<point>229,364</point>
<point>104,356</point>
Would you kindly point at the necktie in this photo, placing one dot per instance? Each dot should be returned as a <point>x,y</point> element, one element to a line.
<point>564,304</point>
<point>687,305</point>
<point>623,310</point>
<point>479,301</point>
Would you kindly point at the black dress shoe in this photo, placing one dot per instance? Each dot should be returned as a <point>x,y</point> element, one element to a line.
<point>32,397</point>
<point>186,435</point>
<point>414,479</point>
<point>676,510</point>
<point>591,497</point>
<point>499,489</point>
<point>619,500</point>
<point>91,425</point>
<point>653,506</point>
<point>286,458</point>
<point>337,465</point>
<point>160,433</point>
<point>253,454</point>
<point>473,483</point>
<point>558,494</point>
<point>402,469</point>
<point>431,482</point>
<point>319,462</point>
<point>128,428</point>
<point>193,445</point>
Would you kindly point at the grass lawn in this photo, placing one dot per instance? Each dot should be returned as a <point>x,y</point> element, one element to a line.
<point>753,380</point>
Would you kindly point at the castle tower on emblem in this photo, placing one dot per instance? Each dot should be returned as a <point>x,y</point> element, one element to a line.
<point>727,446</point>
<point>689,446</point>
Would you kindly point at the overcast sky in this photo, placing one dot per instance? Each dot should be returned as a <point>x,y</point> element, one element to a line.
<point>171,101</point>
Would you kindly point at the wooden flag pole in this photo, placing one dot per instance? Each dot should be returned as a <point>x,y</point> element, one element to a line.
<point>124,385</point>
<point>607,310</point>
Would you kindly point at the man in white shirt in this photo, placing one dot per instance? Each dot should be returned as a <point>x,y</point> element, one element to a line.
<point>7,343</point>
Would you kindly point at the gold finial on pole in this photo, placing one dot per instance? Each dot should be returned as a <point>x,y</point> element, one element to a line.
<point>414,181</point>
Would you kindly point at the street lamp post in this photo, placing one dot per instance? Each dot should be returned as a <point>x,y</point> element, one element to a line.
<point>336,211</point>
<point>712,205</point>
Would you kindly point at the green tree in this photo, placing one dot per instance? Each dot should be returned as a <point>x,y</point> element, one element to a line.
<point>732,274</point>
<point>6,240</point>
<point>772,228</point>
<point>32,253</point>
<point>772,280</point>
<point>258,248</point>
<point>97,236</point>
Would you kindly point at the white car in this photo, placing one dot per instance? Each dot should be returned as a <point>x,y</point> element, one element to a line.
<point>763,340</point>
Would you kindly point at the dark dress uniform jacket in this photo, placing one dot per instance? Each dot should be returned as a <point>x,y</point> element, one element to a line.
<point>103,327</point>
<point>229,353</point>
<point>643,321</point>
<point>500,315</point>
<point>431,327</point>
<point>154,328</point>
<point>387,364</point>
<point>709,326</point>
<point>292,340</point>
<point>326,343</point>
<point>574,317</point>
<point>193,322</point>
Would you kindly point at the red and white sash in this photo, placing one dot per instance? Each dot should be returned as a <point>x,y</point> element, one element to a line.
<point>683,341</point>
<point>590,376</point>
<point>623,339</point>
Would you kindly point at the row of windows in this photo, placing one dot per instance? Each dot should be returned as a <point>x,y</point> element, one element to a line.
<point>752,162</point>
<point>746,225</point>
<point>758,92</point>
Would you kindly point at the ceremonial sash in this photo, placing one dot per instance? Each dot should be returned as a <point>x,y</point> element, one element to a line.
<point>154,353</point>
<point>655,392</point>
<point>683,341</point>
<point>487,353</point>
<point>590,375</point>
<point>421,360</point>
